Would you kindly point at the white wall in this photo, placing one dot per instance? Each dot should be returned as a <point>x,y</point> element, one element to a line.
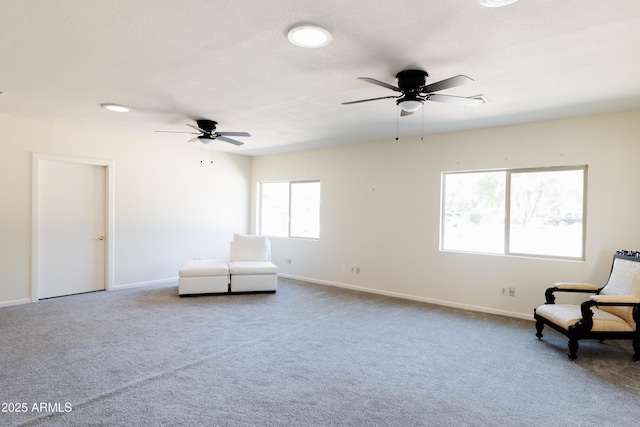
<point>380,207</point>
<point>168,206</point>
<point>381,210</point>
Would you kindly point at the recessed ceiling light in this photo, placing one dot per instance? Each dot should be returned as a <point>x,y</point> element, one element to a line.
<point>496,3</point>
<point>116,108</point>
<point>309,35</point>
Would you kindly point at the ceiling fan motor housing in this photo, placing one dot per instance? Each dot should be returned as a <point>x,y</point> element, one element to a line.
<point>207,125</point>
<point>411,80</point>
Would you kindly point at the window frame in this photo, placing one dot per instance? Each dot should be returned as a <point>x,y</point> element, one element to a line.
<point>259,224</point>
<point>507,210</point>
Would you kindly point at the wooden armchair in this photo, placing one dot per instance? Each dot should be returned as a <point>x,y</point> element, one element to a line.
<point>612,313</point>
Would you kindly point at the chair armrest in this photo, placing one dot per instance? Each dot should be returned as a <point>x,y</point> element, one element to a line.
<point>569,287</point>
<point>615,299</point>
<point>586,323</point>
<point>576,287</point>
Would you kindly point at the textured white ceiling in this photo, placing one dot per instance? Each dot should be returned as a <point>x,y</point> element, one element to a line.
<point>230,61</point>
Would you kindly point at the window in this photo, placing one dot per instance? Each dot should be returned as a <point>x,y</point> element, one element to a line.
<point>537,212</point>
<point>289,209</point>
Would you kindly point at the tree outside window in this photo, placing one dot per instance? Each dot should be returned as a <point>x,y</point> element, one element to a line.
<point>537,212</point>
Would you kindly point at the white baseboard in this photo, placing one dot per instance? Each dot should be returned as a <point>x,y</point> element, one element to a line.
<point>115,288</point>
<point>15,302</point>
<point>452,304</point>
<point>148,283</point>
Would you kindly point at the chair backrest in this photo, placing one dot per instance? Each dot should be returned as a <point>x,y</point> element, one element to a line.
<point>623,280</point>
<point>250,248</point>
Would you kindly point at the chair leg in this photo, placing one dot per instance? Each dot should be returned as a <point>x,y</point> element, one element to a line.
<point>573,349</point>
<point>636,349</point>
<point>539,326</point>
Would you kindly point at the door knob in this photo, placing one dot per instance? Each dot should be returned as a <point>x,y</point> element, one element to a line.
<point>101,238</point>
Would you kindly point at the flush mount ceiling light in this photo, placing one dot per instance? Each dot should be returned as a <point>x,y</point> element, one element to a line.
<point>496,3</point>
<point>309,35</point>
<point>116,108</point>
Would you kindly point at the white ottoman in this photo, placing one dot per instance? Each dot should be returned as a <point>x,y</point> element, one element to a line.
<point>203,276</point>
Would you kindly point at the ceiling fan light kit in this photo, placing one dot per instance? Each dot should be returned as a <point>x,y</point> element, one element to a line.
<point>205,139</point>
<point>410,105</point>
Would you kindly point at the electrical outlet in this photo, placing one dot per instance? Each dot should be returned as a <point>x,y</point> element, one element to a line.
<point>504,292</point>
<point>512,292</point>
<point>287,261</point>
<point>352,269</point>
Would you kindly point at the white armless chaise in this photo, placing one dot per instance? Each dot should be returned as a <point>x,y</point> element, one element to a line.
<point>250,266</point>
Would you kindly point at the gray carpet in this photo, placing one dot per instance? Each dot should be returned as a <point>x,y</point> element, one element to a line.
<point>310,355</point>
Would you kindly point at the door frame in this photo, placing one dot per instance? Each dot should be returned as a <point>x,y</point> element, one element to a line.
<point>37,159</point>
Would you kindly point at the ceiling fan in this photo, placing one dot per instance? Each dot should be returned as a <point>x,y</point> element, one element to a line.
<point>207,133</point>
<point>414,91</point>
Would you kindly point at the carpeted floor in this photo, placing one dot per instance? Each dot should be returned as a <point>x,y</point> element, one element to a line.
<point>309,355</point>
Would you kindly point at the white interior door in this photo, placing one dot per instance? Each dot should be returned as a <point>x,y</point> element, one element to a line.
<point>71,228</point>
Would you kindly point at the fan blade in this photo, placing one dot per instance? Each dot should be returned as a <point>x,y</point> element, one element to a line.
<point>367,100</point>
<point>459,100</point>
<point>196,128</point>
<point>233,134</point>
<point>480,97</point>
<point>447,84</point>
<point>232,141</point>
<point>177,131</point>
<point>405,113</point>
<point>193,139</point>
<point>379,83</point>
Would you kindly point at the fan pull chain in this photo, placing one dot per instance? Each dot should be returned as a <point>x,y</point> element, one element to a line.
<point>397,121</point>
<point>422,130</point>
